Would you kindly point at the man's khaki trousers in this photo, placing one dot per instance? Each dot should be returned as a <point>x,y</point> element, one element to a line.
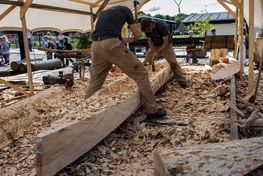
<point>113,51</point>
<point>170,56</point>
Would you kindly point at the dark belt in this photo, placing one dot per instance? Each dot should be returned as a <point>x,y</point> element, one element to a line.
<point>105,37</point>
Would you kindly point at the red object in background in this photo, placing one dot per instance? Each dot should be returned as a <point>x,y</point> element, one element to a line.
<point>69,83</point>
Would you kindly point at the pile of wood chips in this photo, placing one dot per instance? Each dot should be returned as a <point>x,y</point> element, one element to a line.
<point>201,115</point>
<point>21,123</point>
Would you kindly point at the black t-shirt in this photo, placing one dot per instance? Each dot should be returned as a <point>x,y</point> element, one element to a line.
<point>160,31</point>
<point>111,21</point>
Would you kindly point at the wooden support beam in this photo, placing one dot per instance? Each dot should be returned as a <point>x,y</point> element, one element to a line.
<point>7,11</point>
<point>46,7</point>
<point>59,146</point>
<point>233,115</point>
<point>227,8</point>
<point>95,4</point>
<point>241,37</point>
<point>2,81</point>
<point>102,6</point>
<point>25,7</point>
<point>236,3</point>
<point>229,158</point>
<point>92,27</point>
<point>27,52</point>
<point>251,46</point>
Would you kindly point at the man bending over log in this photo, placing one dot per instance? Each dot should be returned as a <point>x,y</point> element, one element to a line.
<point>108,48</point>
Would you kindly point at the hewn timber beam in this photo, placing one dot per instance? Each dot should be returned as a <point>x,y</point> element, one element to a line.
<point>228,158</point>
<point>7,11</point>
<point>2,81</point>
<point>229,2</point>
<point>25,7</point>
<point>46,7</point>
<point>102,6</point>
<point>61,145</point>
<point>228,8</point>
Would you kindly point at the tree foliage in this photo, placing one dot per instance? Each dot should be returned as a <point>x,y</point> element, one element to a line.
<point>200,26</point>
<point>84,41</point>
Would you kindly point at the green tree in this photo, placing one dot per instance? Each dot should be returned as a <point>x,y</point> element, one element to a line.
<point>84,41</point>
<point>200,26</point>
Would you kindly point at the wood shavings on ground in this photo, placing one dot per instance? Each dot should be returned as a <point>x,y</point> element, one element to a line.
<point>201,115</point>
<point>21,123</point>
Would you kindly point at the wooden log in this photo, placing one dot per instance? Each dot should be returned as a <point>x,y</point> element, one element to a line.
<point>15,64</point>
<point>41,65</point>
<point>237,157</point>
<point>61,145</point>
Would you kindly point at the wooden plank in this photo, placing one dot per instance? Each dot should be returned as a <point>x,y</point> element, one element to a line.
<point>229,158</point>
<point>233,115</point>
<point>14,87</point>
<point>251,46</point>
<point>61,145</point>
<point>46,7</point>
<point>226,72</point>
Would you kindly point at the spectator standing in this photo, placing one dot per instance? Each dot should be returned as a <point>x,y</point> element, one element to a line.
<point>30,41</point>
<point>61,40</point>
<point>6,50</point>
<point>190,49</point>
<point>1,50</point>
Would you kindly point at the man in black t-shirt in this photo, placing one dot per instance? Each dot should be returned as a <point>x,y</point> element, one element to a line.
<point>108,48</point>
<point>160,44</point>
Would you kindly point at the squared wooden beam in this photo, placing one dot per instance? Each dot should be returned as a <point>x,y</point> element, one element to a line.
<point>25,7</point>
<point>102,6</point>
<point>7,11</point>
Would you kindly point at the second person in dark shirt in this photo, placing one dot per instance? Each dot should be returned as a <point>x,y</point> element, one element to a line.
<point>160,44</point>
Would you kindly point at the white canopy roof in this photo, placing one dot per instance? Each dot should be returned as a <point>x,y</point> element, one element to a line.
<point>41,19</point>
<point>258,13</point>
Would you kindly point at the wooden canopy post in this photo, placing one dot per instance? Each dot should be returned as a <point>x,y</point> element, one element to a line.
<point>23,11</point>
<point>241,37</point>
<point>92,27</point>
<point>251,45</point>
